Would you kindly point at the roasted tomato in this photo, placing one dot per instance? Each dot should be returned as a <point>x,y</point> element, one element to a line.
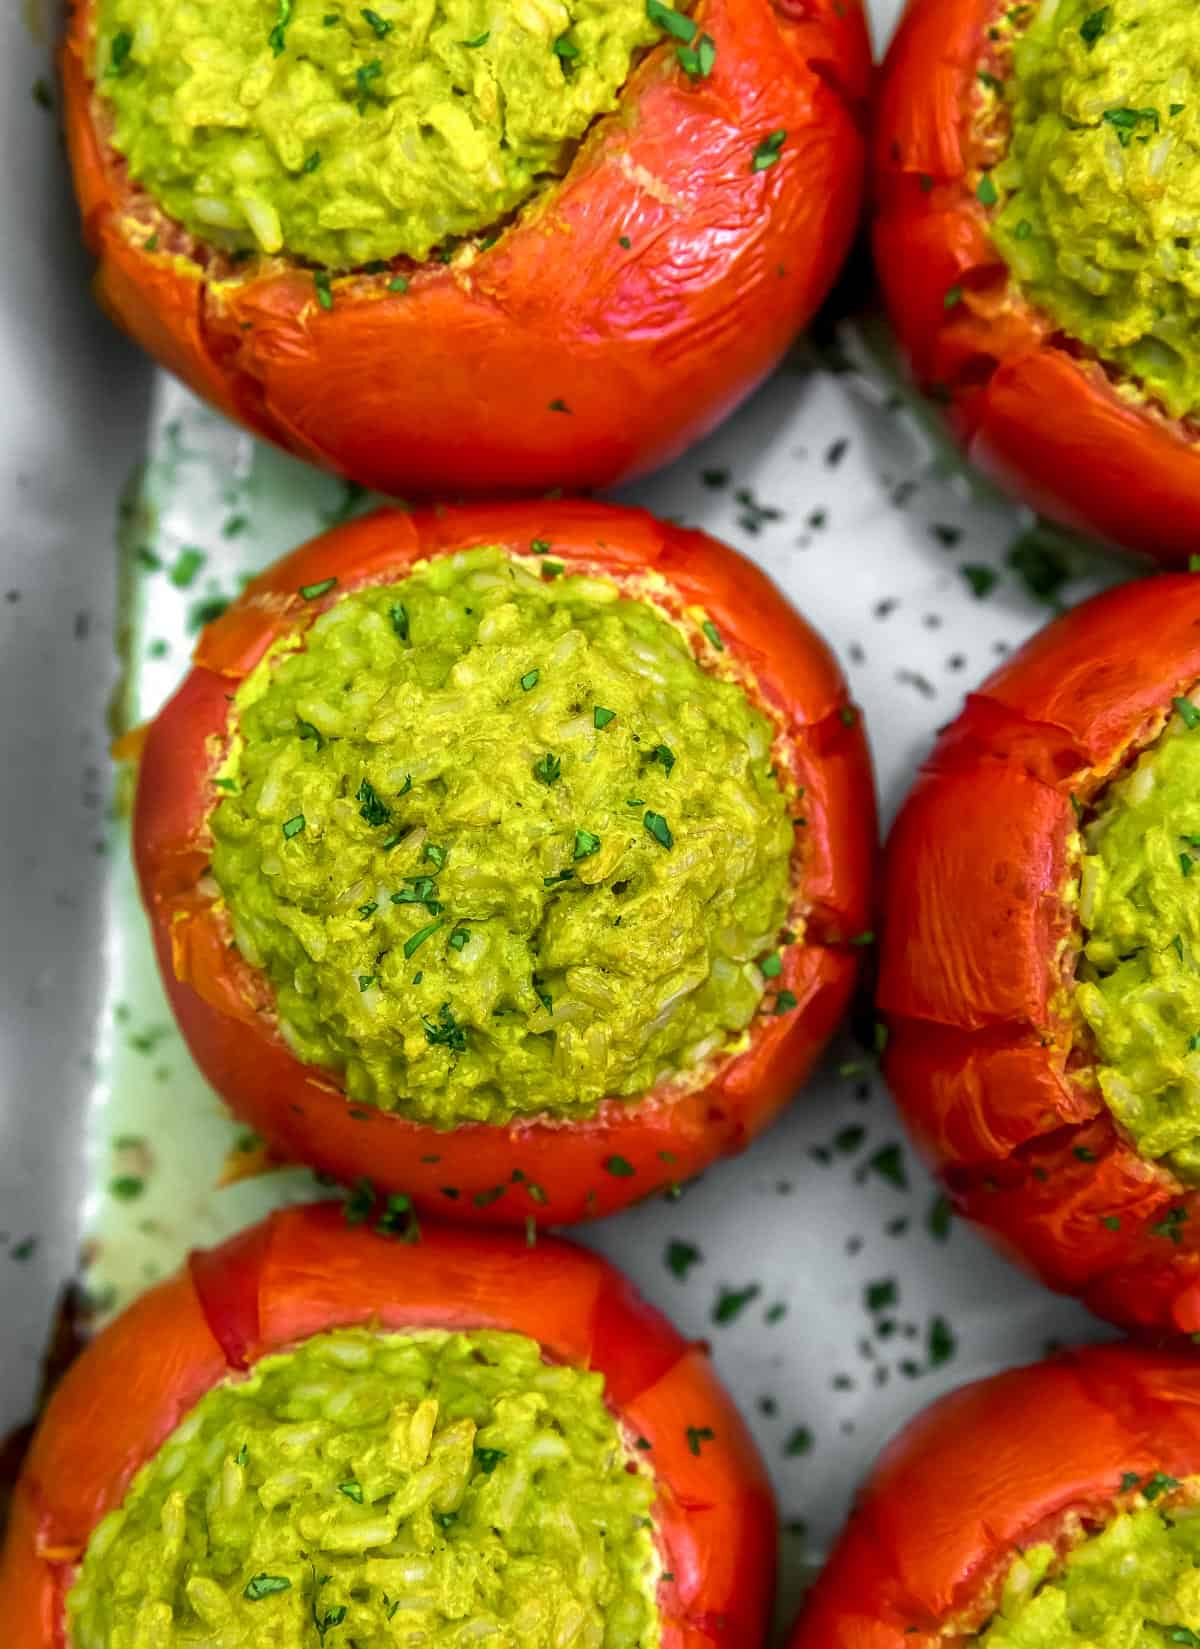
<point>1040,953</point>
<point>633,846</point>
<point>993,1520</point>
<point>583,330</point>
<point>998,231</point>
<point>209,1334</point>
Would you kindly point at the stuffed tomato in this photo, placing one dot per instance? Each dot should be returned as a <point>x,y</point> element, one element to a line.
<point>1050,1506</point>
<point>1040,974</point>
<point>1035,180</point>
<point>511,858</point>
<point>316,1434</point>
<point>464,248</point>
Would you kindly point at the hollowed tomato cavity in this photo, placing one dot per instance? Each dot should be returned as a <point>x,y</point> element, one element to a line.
<point>346,134</point>
<point>1134,1584</point>
<point>368,1488</point>
<point>1088,128</point>
<point>1138,982</point>
<point>502,845</point>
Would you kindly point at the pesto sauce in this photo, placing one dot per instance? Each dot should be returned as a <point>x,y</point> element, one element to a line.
<point>378,1490</point>
<point>345,134</point>
<point>501,844</point>
<point>1133,1585</point>
<point>1097,196</point>
<point>1139,982</point>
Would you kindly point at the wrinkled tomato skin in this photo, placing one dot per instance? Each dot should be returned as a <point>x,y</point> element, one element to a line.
<point>304,1272</point>
<point>618,320</point>
<point>1038,415</point>
<point>985,1058</point>
<point>550,1172</point>
<point>992,1469</point>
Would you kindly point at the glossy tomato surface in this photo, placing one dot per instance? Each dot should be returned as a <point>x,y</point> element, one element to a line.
<point>549,1171</point>
<point>621,316</point>
<point>1030,407</point>
<point>996,1467</point>
<point>985,1055</point>
<point>304,1272</point>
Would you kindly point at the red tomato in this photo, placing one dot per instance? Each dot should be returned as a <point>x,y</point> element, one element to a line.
<point>629,1149</point>
<point>304,1271</point>
<point>976,971</point>
<point>561,356</point>
<point>1037,412</point>
<point>991,1469</point>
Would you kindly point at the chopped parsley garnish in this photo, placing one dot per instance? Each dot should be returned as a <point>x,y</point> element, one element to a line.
<point>242,1456</point>
<point>698,60</point>
<point>311,164</point>
<point>312,592</point>
<point>1188,712</point>
<point>601,717</point>
<point>567,50</point>
<point>118,56</point>
<point>530,680</point>
<point>767,152</point>
<point>785,1001</point>
<point>548,769</point>
<point>364,77</point>
<point>953,297</point>
<point>435,854</point>
<point>1094,25</point>
<point>559,876</point>
<point>658,828</point>
<point>621,1167</point>
<point>731,1302</point>
<point>277,39</point>
<point>372,810</point>
<point>399,617</point>
<point>1023,230</point>
<point>352,1491</point>
<point>368,909</point>
<point>479,40</point>
<point>664,754</point>
<point>265,1585</point>
<point>713,634</point>
<point>986,192</point>
<point>672,22</point>
<point>398,283</point>
<point>324,289</point>
<point>1125,122</point>
<point>293,826</point>
<point>308,731</point>
<point>559,405</point>
<point>416,940</point>
<point>586,844</point>
<point>681,1257</point>
<point>552,569</point>
<point>420,890</point>
<point>460,938</point>
<point>771,966</point>
<point>539,546</point>
<point>489,1459</point>
<point>1160,1483</point>
<point>1129,1480</point>
<point>365,981</point>
<point>380,25</point>
<point>697,1435</point>
<point>447,1032</point>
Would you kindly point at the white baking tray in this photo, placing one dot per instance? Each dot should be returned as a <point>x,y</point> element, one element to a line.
<point>837,1295</point>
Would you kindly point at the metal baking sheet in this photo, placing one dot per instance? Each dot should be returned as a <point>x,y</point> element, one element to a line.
<point>836,1292</point>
